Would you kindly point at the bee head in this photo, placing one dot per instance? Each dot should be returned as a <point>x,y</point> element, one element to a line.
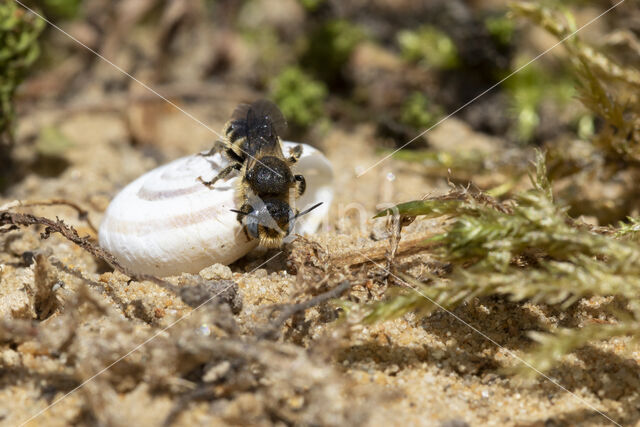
<point>271,222</point>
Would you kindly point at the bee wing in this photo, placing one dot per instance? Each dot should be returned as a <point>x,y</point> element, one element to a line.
<point>267,150</point>
<point>249,163</point>
<point>267,110</point>
<point>241,111</point>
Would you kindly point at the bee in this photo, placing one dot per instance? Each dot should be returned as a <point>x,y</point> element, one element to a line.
<point>267,186</point>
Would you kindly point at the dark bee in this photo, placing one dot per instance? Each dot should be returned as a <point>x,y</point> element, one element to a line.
<point>267,187</point>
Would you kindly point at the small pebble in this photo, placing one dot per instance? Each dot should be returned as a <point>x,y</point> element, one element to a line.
<point>216,272</point>
<point>261,273</point>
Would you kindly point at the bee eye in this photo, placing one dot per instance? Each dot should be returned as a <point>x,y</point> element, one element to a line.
<point>253,230</point>
<point>251,225</point>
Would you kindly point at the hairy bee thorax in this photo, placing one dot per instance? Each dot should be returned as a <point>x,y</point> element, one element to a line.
<point>270,176</point>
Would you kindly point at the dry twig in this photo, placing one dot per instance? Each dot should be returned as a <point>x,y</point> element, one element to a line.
<point>289,310</point>
<point>83,214</point>
<point>412,244</point>
<point>12,220</point>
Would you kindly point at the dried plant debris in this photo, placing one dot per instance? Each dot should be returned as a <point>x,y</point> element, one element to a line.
<point>199,360</point>
<point>46,283</point>
<point>527,251</point>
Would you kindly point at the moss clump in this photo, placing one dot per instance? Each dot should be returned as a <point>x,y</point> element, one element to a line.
<point>429,46</point>
<point>65,9</point>
<point>419,112</point>
<point>311,5</point>
<point>501,28</point>
<point>329,48</point>
<point>299,96</point>
<point>19,49</point>
<point>465,163</point>
<point>52,142</point>
<point>528,88</point>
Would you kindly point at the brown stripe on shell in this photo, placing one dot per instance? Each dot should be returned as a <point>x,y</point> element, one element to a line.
<point>154,195</point>
<point>149,226</point>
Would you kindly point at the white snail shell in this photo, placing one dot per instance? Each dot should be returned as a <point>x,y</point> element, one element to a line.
<point>166,222</point>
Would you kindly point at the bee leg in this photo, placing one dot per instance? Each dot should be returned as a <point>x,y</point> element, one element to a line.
<point>245,210</point>
<point>218,146</point>
<point>222,175</point>
<point>300,184</point>
<point>246,234</point>
<point>295,153</point>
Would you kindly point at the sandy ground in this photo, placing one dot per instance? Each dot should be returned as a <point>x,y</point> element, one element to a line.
<point>210,368</point>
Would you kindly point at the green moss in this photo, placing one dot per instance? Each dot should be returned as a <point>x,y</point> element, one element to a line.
<point>429,46</point>
<point>418,111</point>
<point>19,50</point>
<point>329,48</point>
<point>468,161</point>
<point>528,88</point>
<point>64,9</point>
<point>586,127</point>
<point>311,5</point>
<point>269,53</point>
<point>501,29</point>
<point>299,96</point>
<point>52,142</point>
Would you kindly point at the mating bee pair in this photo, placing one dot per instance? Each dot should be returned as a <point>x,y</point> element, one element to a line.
<point>267,187</point>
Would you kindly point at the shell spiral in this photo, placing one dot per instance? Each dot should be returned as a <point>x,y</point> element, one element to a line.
<point>166,222</point>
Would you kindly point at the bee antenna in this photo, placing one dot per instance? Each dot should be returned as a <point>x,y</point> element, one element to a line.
<point>299,214</point>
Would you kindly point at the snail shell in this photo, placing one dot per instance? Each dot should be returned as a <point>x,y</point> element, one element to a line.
<point>166,222</point>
